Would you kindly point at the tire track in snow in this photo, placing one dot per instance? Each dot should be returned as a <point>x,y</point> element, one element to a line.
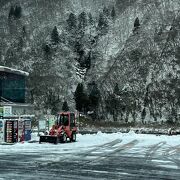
<point>150,158</point>
<point>123,147</point>
<point>107,153</point>
<point>153,149</point>
<point>101,147</point>
<point>173,150</point>
<point>114,151</point>
<point>84,154</point>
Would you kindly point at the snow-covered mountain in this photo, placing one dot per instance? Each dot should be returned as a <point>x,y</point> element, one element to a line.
<point>130,49</point>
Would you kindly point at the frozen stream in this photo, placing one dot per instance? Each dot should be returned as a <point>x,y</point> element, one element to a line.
<point>95,156</point>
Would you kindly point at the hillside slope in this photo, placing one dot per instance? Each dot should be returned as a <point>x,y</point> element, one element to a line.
<point>135,65</point>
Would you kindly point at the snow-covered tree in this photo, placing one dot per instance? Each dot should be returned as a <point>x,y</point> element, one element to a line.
<point>113,13</point>
<point>102,24</point>
<point>11,12</point>
<point>55,36</point>
<point>116,89</point>
<point>82,20</point>
<point>78,96</point>
<point>106,11</point>
<point>94,96</point>
<point>72,22</point>
<point>136,23</point>
<point>18,12</point>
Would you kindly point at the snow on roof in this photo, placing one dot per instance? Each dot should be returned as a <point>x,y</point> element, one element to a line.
<point>11,70</point>
<point>16,104</point>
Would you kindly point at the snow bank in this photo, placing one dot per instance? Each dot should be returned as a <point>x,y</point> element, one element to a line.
<point>88,141</point>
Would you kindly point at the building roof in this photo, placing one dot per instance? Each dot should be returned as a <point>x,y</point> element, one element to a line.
<point>16,104</point>
<point>11,70</point>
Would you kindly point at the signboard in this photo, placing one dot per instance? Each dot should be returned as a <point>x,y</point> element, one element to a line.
<point>51,121</point>
<point>42,125</point>
<point>7,110</point>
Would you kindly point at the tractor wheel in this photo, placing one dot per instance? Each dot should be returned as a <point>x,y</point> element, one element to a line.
<point>73,137</point>
<point>56,141</point>
<point>64,138</point>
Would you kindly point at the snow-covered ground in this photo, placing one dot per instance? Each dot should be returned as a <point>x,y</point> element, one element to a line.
<point>103,156</point>
<point>89,141</point>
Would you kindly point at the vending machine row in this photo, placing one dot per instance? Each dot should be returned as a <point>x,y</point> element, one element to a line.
<point>15,130</point>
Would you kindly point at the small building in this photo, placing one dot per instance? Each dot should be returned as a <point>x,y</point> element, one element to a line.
<point>15,113</point>
<point>13,92</point>
<point>12,84</point>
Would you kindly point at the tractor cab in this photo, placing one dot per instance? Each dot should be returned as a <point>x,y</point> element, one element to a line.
<point>66,119</point>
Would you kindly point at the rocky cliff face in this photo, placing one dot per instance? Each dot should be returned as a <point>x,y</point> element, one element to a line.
<point>147,68</point>
<point>135,64</point>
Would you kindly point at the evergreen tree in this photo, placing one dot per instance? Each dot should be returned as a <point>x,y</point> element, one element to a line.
<point>78,47</point>
<point>90,19</point>
<point>65,106</point>
<point>102,24</point>
<point>94,96</point>
<point>55,36</point>
<point>112,106</point>
<point>18,12</point>
<point>91,27</point>
<point>88,61</point>
<point>82,18</point>
<point>24,30</point>
<point>72,22</point>
<point>135,55</point>
<point>20,43</point>
<point>177,55</point>
<point>78,96</point>
<point>47,49</point>
<point>11,12</point>
<point>143,115</point>
<point>116,89</point>
<point>136,23</point>
<point>106,11</point>
<point>113,14</point>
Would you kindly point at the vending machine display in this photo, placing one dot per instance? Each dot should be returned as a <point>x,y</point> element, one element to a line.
<point>21,131</point>
<point>27,125</point>
<point>11,133</point>
<point>2,129</point>
<point>15,131</point>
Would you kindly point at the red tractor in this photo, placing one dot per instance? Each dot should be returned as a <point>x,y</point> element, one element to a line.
<point>64,129</point>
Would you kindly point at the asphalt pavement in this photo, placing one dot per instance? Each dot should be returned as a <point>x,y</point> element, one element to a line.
<point>112,160</point>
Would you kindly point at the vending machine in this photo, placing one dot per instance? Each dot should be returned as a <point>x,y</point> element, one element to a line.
<point>21,131</point>
<point>2,130</point>
<point>11,133</point>
<point>27,129</point>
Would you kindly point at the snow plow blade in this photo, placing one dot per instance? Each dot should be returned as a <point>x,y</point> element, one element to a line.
<point>48,139</point>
